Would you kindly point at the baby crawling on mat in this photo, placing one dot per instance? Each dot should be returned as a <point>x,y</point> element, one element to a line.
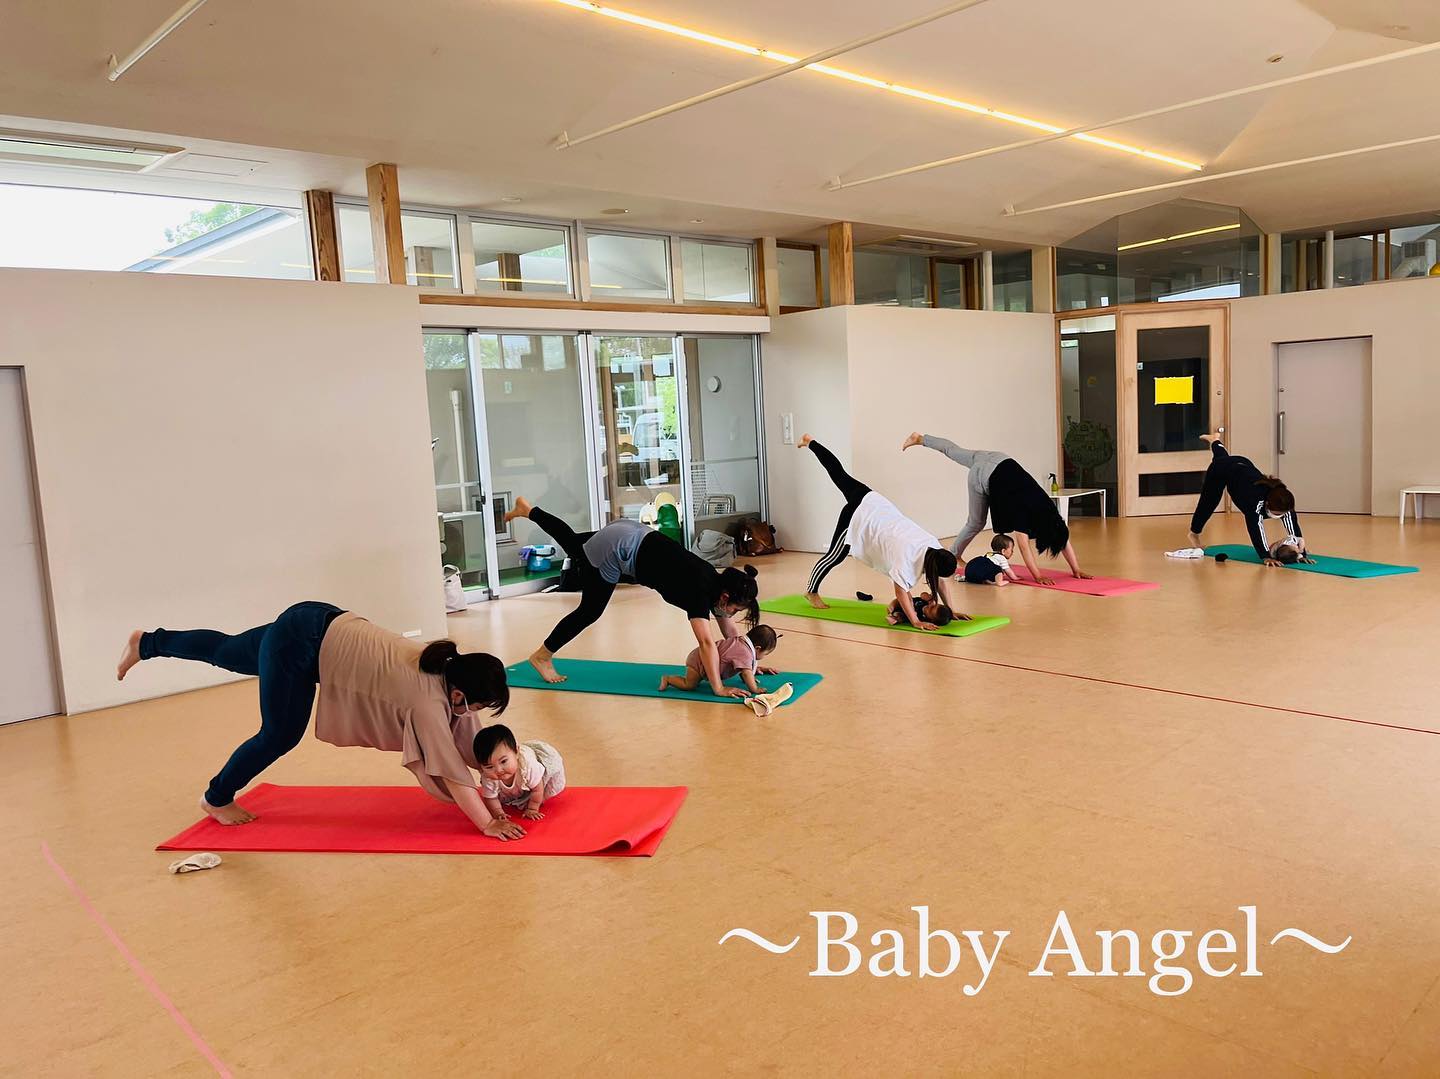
<point>738,655</point>
<point>516,774</point>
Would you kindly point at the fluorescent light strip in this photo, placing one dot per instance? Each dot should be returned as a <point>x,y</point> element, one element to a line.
<point>866,80</point>
<point>523,281</point>
<point>1178,236</point>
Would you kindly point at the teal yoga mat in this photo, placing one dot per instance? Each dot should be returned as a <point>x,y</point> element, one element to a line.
<point>859,613</point>
<point>1335,567</point>
<point>642,680</point>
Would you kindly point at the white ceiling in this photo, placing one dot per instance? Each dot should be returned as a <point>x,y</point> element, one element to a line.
<point>468,95</point>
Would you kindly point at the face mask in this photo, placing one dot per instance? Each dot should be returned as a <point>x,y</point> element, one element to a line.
<point>464,708</point>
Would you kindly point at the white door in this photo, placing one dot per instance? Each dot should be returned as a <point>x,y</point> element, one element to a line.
<point>1322,424</point>
<point>27,661</point>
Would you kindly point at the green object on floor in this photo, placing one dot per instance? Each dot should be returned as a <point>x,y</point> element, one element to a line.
<point>643,680</point>
<point>667,523</point>
<point>520,575</point>
<point>1334,567</point>
<point>858,613</point>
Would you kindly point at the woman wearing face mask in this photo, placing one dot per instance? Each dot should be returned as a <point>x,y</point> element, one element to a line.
<point>376,689</point>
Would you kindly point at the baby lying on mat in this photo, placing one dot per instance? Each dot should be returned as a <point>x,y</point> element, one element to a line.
<point>738,655</point>
<point>927,609</point>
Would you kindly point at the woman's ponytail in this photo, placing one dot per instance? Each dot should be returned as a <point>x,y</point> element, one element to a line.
<point>436,655</point>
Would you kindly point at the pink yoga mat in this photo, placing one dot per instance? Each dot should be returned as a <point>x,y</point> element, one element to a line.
<point>1100,586</point>
<point>616,821</point>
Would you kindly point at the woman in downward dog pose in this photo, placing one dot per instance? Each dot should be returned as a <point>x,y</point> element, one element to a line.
<point>631,549</point>
<point>1014,501</point>
<point>376,689</point>
<point>1259,497</point>
<point>874,530</point>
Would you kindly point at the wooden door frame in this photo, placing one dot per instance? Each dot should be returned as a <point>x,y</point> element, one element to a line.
<point>1124,495</point>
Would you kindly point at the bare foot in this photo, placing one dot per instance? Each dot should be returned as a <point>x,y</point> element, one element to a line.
<point>231,814</point>
<point>1209,438</point>
<point>522,509</point>
<point>129,657</point>
<point>541,661</point>
<point>664,682</point>
<point>1195,540</point>
<point>804,441</point>
<point>815,601</point>
<point>915,439</point>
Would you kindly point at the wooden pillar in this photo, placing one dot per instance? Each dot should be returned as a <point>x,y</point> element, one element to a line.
<point>324,241</point>
<point>767,275</point>
<point>1042,279</point>
<point>509,263</point>
<point>842,264</point>
<point>383,186</point>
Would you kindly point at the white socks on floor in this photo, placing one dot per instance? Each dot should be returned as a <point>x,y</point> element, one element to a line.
<point>1186,552</point>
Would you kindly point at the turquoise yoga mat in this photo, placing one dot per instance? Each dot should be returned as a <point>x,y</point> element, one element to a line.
<point>1335,567</point>
<point>643,680</point>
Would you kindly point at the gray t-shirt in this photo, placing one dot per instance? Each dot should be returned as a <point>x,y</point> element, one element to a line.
<point>612,549</point>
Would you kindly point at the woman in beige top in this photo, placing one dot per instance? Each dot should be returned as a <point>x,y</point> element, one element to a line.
<point>376,689</point>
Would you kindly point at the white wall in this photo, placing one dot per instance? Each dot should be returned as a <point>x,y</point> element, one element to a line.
<point>806,371</point>
<point>1403,320</point>
<point>209,451</point>
<point>861,378</point>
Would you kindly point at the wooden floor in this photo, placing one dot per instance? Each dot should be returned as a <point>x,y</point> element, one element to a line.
<point>1153,761</point>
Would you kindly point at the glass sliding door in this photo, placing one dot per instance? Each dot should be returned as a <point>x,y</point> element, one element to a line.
<point>722,440</point>
<point>536,442</point>
<point>637,423</point>
<point>454,449</point>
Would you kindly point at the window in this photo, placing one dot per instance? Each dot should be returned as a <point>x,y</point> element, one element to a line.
<point>71,229</point>
<point>628,267</point>
<point>521,258</point>
<point>799,269</point>
<point>1011,274</point>
<point>892,279</point>
<point>1302,261</point>
<point>1358,259</point>
<point>717,272</point>
<point>429,241</point>
<point>1413,250</point>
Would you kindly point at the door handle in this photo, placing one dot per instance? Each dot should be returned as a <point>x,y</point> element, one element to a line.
<point>1280,430</point>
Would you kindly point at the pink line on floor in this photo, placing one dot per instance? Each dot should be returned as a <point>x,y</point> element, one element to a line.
<point>135,965</point>
<point>1114,682</point>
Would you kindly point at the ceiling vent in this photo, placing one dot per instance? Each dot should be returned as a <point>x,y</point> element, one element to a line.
<point>82,151</point>
<point>208,166</point>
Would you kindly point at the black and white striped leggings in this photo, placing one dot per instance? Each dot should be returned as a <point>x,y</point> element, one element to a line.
<point>853,491</point>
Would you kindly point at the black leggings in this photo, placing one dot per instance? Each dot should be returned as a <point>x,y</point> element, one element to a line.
<point>286,657</point>
<point>1222,466</point>
<point>595,591</point>
<point>853,492</point>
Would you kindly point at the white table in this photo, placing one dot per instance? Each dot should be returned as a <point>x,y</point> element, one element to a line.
<point>1418,493</point>
<point>1063,496</point>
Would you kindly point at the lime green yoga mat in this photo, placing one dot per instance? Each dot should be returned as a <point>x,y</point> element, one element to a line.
<point>859,613</point>
<point>1335,567</point>
<point>643,680</point>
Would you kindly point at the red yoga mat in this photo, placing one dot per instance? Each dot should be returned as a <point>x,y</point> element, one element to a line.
<point>1098,586</point>
<point>616,821</point>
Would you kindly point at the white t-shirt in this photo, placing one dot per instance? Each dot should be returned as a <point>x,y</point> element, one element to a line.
<point>999,559</point>
<point>889,542</point>
<point>529,775</point>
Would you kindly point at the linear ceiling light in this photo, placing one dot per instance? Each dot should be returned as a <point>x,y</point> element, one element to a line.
<point>1010,211</point>
<point>864,80</point>
<point>81,151</point>
<point>1077,132</point>
<point>565,141</point>
<point>1178,236</point>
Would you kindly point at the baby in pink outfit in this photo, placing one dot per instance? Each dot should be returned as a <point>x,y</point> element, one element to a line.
<point>738,655</point>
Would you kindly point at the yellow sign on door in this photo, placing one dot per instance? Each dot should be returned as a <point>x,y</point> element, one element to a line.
<point>1179,390</point>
